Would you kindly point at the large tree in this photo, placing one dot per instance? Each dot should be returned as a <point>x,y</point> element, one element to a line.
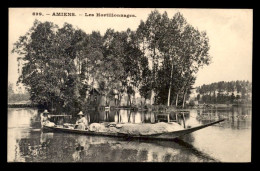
<point>186,49</point>
<point>50,71</point>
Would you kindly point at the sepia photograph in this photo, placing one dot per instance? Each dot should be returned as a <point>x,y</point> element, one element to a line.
<point>129,85</point>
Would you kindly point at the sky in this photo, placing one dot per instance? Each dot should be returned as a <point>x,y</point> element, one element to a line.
<point>230,33</point>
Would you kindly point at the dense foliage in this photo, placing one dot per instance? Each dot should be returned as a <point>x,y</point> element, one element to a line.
<point>225,92</point>
<point>159,61</point>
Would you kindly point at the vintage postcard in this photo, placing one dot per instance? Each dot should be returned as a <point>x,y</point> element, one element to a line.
<point>129,85</point>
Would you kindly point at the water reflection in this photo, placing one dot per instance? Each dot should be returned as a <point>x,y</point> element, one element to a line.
<point>121,116</point>
<point>95,149</point>
<point>236,117</point>
<point>228,141</point>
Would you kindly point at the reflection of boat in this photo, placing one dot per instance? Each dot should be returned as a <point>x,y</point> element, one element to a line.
<point>162,136</point>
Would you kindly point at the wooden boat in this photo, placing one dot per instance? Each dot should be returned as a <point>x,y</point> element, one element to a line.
<point>160,136</point>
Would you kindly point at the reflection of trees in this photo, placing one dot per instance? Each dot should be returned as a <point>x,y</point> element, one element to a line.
<point>50,150</point>
<point>126,116</point>
<point>117,117</point>
<point>147,117</point>
<point>150,117</point>
<point>32,150</point>
<point>111,115</point>
<point>34,118</point>
<point>143,115</point>
<point>186,149</point>
<point>129,155</point>
<point>129,112</point>
<point>236,117</point>
<point>94,115</point>
<point>97,116</point>
<point>143,151</point>
<point>232,124</point>
<point>65,148</point>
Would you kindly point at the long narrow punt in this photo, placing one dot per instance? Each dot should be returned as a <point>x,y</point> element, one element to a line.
<point>161,136</point>
<point>175,134</point>
<point>77,131</point>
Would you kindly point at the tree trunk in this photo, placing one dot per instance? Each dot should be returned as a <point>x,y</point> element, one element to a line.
<point>79,66</point>
<point>153,75</point>
<point>183,103</point>
<point>129,100</point>
<point>151,99</point>
<point>106,100</point>
<point>177,100</point>
<point>172,102</point>
<point>169,93</point>
<point>119,100</point>
<point>129,115</point>
<point>134,100</point>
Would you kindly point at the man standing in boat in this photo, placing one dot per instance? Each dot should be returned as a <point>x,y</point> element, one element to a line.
<point>82,122</point>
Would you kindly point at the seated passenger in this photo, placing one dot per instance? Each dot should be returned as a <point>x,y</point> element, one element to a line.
<point>82,122</point>
<point>44,118</point>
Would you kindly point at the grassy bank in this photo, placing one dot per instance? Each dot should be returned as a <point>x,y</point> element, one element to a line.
<point>21,105</point>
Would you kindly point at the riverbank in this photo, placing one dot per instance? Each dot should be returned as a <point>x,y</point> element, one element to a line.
<point>21,105</point>
<point>148,107</point>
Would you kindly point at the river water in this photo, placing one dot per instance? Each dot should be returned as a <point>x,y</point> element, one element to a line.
<point>229,141</point>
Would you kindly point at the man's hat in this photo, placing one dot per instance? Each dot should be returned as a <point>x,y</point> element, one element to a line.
<point>80,113</point>
<point>45,111</point>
